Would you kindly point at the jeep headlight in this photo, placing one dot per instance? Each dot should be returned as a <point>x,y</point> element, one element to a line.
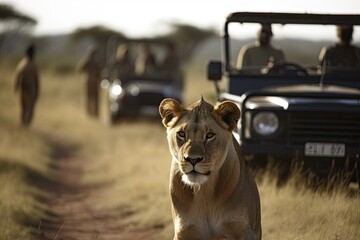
<point>115,91</point>
<point>265,123</point>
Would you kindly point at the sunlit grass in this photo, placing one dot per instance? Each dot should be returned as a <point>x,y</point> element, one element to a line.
<point>24,158</point>
<point>297,212</point>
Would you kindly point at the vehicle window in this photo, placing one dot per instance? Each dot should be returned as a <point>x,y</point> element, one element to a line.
<point>290,49</point>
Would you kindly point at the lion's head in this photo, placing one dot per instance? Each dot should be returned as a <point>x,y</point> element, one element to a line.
<point>198,136</point>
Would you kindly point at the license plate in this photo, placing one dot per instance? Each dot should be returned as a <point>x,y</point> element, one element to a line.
<point>325,149</point>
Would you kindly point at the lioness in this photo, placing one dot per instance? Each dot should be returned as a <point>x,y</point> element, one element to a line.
<point>213,194</point>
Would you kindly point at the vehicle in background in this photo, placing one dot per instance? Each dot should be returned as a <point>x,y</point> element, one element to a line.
<point>293,112</point>
<point>134,94</point>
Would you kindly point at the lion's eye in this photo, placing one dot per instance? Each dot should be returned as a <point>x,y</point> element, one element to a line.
<point>180,135</point>
<point>210,136</point>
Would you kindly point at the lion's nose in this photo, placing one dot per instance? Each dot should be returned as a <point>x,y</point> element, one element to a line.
<point>193,159</point>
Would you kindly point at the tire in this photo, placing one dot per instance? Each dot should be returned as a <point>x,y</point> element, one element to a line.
<point>357,172</point>
<point>280,167</point>
<point>256,162</point>
<point>275,166</point>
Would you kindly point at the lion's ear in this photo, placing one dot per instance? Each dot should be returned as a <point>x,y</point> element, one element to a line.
<point>229,113</point>
<point>170,110</point>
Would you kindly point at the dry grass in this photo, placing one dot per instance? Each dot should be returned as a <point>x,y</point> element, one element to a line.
<point>24,157</point>
<point>135,159</point>
<point>297,212</point>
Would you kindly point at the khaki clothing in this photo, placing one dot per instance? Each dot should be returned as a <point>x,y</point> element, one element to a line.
<point>145,64</point>
<point>27,83</point>
<point>123,65</point>
<point>340,56</point>
<point>254,55</point>
<point>92,70</point>
<point>122,68</point>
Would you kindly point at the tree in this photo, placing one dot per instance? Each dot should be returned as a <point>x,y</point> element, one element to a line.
<point>99,35</point>
<point>11,19</point>
<point>188,37</point>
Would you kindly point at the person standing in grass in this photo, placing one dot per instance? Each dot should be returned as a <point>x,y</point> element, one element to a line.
<point>27,84</point>
<point>92,68</point>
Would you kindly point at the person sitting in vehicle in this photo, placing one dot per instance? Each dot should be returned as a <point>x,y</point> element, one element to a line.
<point>122,66</point>
<point>257,55</point>
<point>145,62</point>
<point>171,61</point>
<point>171,66</point>
<point>343,54</point>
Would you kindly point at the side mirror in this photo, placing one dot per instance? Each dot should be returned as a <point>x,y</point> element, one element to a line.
<point>214,71</point>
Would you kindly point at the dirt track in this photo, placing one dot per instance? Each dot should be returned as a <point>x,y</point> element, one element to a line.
<point>72,215</point>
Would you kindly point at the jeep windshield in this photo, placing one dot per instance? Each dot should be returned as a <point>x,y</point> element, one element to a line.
<point>301,38</point>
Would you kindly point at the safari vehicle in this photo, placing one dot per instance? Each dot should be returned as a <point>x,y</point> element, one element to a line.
<point>296,110</point>
<point>137,95</point>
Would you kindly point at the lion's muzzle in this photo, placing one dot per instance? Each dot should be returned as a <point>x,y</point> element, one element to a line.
<point>193,159</point>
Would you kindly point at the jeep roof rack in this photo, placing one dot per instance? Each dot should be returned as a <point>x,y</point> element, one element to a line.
<point>294,18</point>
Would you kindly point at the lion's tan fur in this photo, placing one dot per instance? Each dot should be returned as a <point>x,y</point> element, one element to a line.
<point>216,197</point>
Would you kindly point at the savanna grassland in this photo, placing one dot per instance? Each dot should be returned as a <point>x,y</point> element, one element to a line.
<point>132,162</point>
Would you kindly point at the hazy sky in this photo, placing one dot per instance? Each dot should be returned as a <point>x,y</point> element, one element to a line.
<point>136,18</point>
